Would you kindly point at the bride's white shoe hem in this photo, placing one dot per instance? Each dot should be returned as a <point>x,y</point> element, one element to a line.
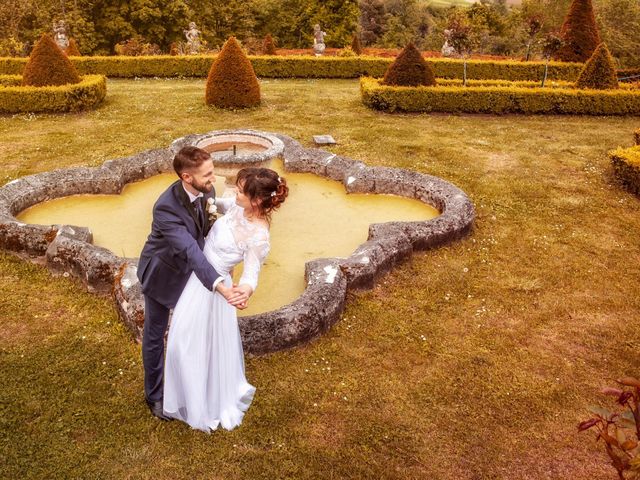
<point>229,418</point>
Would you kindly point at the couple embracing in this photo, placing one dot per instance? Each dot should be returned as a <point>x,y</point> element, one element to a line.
<point>185,266</point>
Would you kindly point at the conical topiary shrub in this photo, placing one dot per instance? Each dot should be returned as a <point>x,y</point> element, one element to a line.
<point>72,49</point>
<point>579,33</point>
<point>48,65</point>
<point>232,82</point>
<point>356,46</point>
<point>268,45</point>
<point>599,72</point>
<point>409,69</point>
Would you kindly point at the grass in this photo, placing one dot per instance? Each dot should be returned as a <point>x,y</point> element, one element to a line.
<point>475,361</point>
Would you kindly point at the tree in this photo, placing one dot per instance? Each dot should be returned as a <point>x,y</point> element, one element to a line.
<point>409,69</point>
<point>48,65</point>
<point>372,20</point>
<point>356,46</point>
<point>72,49</point>
<point>406,21</point>
<point>552,43</point>
<point>221,19</point>
<point>232,82</point>
<point>619,22</point>
<point>599,72</point>
<point>533,27</point>
<point>462,38</point>
<point>579,33</point>
<point>268,46</point>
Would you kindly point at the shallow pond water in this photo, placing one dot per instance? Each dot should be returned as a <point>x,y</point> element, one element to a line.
<point>318,220</point>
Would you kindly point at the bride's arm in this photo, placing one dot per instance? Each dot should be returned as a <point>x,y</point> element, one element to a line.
<point>225,203</point>
<point>254,255</point>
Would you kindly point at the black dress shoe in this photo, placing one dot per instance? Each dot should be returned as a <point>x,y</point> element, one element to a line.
<point>156,410</point>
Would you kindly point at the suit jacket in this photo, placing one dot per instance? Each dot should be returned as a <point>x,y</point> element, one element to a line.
<point>174,248</point>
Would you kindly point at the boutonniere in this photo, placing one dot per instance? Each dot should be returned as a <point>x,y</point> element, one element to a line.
<point>212,210</point>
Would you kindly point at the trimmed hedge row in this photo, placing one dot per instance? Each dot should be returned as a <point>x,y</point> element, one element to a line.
<point>303,67</point>
<point>498,97</point>
<point>629,72</point>
<point>65,98</point>
<point>626,166</point>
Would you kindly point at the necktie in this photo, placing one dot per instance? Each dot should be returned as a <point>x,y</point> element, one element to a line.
<point>199,212</point>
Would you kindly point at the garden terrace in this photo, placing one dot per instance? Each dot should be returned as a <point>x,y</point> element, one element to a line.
<point>475,360</point>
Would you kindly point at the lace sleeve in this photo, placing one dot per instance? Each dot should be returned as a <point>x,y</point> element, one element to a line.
<point>225,203</point>
<point>255,251</point>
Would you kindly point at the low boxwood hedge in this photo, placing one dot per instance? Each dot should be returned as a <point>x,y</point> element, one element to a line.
<point>626,166</point>
<point>303,67</point>
<point>500,97</point>
<point>15,98</point>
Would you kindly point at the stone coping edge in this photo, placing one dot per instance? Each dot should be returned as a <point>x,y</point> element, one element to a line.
<point>275,148</point>
<point>68,249</point>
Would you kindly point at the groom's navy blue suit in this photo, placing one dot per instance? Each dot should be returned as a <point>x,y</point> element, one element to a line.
<point>172,252</point>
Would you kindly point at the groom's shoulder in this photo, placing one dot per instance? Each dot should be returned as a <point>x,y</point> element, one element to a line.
<point>169,196</point>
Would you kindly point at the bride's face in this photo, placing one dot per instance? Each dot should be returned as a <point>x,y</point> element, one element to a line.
<point>243,200</point>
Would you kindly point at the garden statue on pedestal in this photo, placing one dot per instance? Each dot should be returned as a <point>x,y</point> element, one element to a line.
<point>60,34</point>
<point>318,40</point>
<point>193,39</point>
<point>447,50</point>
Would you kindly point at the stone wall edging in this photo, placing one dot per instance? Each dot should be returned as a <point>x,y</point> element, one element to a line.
<point>68,249</point>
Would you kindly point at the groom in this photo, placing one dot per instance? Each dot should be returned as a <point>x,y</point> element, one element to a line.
<point>172,252</point>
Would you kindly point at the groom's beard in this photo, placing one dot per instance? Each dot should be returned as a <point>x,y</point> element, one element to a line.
<point>202,187</point>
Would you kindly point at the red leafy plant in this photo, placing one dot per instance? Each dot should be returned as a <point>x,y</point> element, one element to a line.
<point>620,431</point>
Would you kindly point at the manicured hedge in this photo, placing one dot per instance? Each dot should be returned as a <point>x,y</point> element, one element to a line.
<point>498,97</point>
<point>66,98</point>
<point>303,67</point>
<point>630,75</point>
<point>626,166</point>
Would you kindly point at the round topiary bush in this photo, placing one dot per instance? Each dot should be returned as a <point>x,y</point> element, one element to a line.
<point>268,45</point>
<point>579,33</point>
<point>599,72</point>
<point>409,70</point>
<point>356,46</point>
<point>232,82</point>
<point>72,50</point>
<point>48,65</point>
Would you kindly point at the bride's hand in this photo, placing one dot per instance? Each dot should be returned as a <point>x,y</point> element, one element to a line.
<point>239,296</point>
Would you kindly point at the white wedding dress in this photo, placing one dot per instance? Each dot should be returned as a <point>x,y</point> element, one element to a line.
<point>204,380</point>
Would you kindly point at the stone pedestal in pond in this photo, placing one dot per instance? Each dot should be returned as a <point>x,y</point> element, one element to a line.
<point>68,249</point>
<point>232,150</point>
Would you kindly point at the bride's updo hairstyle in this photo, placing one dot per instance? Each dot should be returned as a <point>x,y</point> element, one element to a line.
<point>264,186</point>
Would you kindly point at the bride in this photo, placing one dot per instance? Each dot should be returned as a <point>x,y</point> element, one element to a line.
<point>204,383</point>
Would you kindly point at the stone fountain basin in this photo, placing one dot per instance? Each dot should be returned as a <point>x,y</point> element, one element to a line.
<point>266,147</point>
<point>69,249</point>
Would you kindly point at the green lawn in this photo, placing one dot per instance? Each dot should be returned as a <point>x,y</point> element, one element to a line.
<point>475,361</point>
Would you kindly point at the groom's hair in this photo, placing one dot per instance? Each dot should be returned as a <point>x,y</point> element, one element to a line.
<point>189,158</point>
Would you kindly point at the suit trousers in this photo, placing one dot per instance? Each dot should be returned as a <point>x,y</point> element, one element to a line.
<point>156,319</point>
